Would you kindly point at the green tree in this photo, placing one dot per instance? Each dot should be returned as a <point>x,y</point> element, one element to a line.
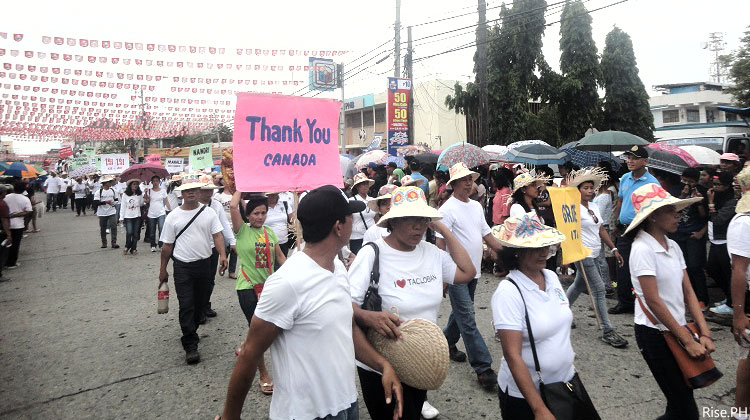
<point>739,72</point>
<point>579,65</point>
<point>625,105</point>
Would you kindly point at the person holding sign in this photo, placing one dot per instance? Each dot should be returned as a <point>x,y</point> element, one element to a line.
<point>532,317</point>
<point>664,293</point>
<point>593,233</point>
<point>364,219</point>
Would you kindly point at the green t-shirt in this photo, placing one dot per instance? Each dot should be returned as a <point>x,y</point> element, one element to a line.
<point>251,251</point>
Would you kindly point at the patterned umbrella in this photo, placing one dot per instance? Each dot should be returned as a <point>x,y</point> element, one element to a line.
<point>411,150</point>
<point>377,157</point>
<point>21,170</point>
<point>82,171</point>
<point>537,154</point>
<point>398,160</point>
<point>703,155</point>
<point>586,158</point>
<point>670,158</point>
<point>471,155</point>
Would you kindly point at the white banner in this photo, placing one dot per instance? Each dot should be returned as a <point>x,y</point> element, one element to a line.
<point>174,165</point>
<point>115,163</point>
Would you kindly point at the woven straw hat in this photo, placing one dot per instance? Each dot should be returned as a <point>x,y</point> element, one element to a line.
<point>420,357</point>
<point>650,197</point>
<point>408,181</point>
<point>459,171</point>
<point>527,178</point>
<point>130,181</point>
<point>596,175</point>
<point>107,179</point>
<point>526,231</point>
<point>409,202</point>
<point>360,177</point>
<point>190,185</point>
<point>383,193</point>
<point>743,178</point>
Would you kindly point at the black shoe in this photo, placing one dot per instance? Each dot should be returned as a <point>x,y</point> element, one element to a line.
<point>115,246</point>
<point>202,320</point>
<point>104,245</point>
<point>621,309</point>
<point>488,380</point>
<point>456,355</point>
<point>614,339</point>
<point>192,357</point>
<point>210,313</point>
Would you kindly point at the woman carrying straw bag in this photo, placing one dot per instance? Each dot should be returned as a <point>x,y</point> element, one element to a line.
<point>413,284</point>
<point>532,317</point>
<point>663,291</point>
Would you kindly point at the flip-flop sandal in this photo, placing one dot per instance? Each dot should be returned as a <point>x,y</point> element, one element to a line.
<point>266,388</point>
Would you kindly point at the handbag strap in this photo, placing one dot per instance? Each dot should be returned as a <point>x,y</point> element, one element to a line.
<point>375,271</point>
<point>365,223</point>
<point>189,223</point>
<point>531,334</point>
<point>646,312</point>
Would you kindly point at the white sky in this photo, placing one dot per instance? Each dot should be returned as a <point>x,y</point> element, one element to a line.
<point>667,36</point>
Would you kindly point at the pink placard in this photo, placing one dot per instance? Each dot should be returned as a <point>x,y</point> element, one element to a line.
<point>285,143</point>
<point>156,158</point>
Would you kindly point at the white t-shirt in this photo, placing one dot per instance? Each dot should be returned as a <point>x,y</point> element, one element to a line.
<point>119,189</point>
<point>196,241</point>
<point>359,227</point>
<point>550,317</point>
<point>130,206</point>
<point>738,239</point>
<point>590,230</point>
<point>227,231</point>
<point>466,221</point>
<point>106,209</point>
<point>711,235</point>
<point>225,199</point>
<point>156,207</point>
<point>80,190</point>
<point>53,184</point>
<point>277,220</point>
<point>64,182</point>
<point>649,258</point>
<point>411,281</point>
<point>17,203</point>
<point>374,233</point>
<point>174,199</point>
<point>604,202</point>
<point>313,355</point>
<point>517,210</point>
<point>95,187</point>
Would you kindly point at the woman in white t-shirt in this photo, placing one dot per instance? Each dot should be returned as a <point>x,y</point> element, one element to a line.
<point>663,291</point>
<point>380,206</point>
<point>412,283</point>
<point>130,215</point>
<point>156,198</point>
<point>592,234</point>
<point>525,192</point>
<point>278,218</point>
<point>174,197</point>
<point>79,191</point>
<point>530,288</point>
<point>364,219</point>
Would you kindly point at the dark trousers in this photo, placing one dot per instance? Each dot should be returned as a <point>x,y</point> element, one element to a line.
<point>132,230</point>
<point>80,205</point>
<point>355,245</point>
<point>212,277</point>
<point>3,252</point>
<point>62,200</point>
<point>232,260</point>
<point>694,251</point>
<point>374,396</point>
<point>15,235</point>
<point>108,222</point>
<point>624,285</point>
<point>720,269</point>
<point>248,302</point>
<point>72,202</point>
<point>51,201</point>
<point>680,402</point>
<point>191,282</point>
<point>513,408</point>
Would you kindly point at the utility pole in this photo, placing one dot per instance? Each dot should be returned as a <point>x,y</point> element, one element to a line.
<point>397,64</point>
<point>716,45</point>
<point>484,122</point>
<point>342,124</point>
<point>410,75</point>
<point>142,120</point>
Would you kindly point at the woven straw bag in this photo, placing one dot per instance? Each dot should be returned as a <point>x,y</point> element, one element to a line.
<point>420,357</point>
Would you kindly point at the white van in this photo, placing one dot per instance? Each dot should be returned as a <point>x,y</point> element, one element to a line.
<point>721,143</point>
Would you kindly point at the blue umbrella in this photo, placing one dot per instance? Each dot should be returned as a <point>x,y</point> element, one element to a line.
<point>398,160</point>
<point>587,158</point>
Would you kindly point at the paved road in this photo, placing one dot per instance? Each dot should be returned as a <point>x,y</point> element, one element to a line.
<point>80,338</point>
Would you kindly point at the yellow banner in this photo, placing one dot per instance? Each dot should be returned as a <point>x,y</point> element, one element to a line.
<point>566,204</point>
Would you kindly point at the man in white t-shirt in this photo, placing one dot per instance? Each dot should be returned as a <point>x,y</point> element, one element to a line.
<point>205,197</point>
<point>465,218</point>
<point>51,187</point>
<point>18,207</point>
<point>305,317</point>
<point>189,231</point>
<point>62,197</point>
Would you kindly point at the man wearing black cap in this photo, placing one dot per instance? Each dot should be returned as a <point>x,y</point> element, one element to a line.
<point>637,159</point>
<point>305,317</point>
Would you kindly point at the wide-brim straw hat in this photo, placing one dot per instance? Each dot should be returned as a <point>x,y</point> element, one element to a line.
<point>650,197</point>
<point>408,181</point>
<point>420,357</point>
<point>175,178</point>
<point>458,171</point>
<point>384,193</point>
<point>526,231</point>
<point>360,178</point>
<point>106,179</point>
<point>743,178</point>
<point>527,178</point>
<point>132,181</point>
<point>596,175</point>
<point>409,202</point>
<point>190,186</point>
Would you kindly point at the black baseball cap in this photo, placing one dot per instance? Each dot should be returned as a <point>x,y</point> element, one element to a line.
<point>326,203</point>
<point>638,151</point>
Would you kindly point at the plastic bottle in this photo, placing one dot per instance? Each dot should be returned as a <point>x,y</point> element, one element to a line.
<point>162,299</point>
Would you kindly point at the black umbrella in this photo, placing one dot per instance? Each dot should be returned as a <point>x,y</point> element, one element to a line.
<point>427,158</point>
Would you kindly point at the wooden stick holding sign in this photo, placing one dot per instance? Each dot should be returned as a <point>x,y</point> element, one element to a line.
<point>566,204</point>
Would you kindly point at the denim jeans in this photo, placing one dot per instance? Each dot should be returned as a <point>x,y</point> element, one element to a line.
<point>461,323</point>
<point>51,201</point>
<point>152,223</point>
<point>624,284</point>
<point>593,269</point>
<point>680,401</point>
<point>191,282</point>
<point>132,231</point>
<point>351,413</point>
<point>108,222</point>
<point>694,251</point>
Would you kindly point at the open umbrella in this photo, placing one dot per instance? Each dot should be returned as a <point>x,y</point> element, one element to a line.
<point>82,171</point>
<point>347,166</point>
<point>374,156</point>
<point>537,154</point>
<point>144,172</point>
<point>4,166</point>
<point>610,141</point>
<point>428,158</point>
<point>588,158</point>
<point>411,150</point>
<point>398,160</point>
<point>676,159</point>
<point>703,155</point>
<point>496,151</point>
<point>21,170</point>
<point>471,155</point>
